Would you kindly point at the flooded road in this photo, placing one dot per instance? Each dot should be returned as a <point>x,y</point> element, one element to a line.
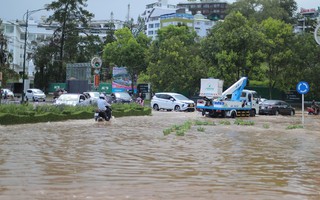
<point>131,158</point>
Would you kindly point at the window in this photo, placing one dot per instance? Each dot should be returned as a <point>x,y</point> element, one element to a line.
<point>150,32</point>
<point>206,6</point>
<point>9,29</point>
<point>157,25</point>
<point>151,25</point>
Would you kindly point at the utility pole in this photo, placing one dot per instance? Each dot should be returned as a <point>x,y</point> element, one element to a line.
<point>27,14</point>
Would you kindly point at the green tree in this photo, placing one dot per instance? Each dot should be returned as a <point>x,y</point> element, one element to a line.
<point>304,64</point>
<point>277,46</point>
<point>5,58</point>
<point>69,14</point>
<point>44,65</point>
<point>233,48</point>
<point>174,61</point>
<point>260,10</point>
<point>128,52</point>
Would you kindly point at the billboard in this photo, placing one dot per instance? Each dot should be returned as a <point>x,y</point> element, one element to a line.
<point>121,80</point>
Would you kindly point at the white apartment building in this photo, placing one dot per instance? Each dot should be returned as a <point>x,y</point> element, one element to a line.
<point>152,16</point>
<point>202,25</point>
<point>38,32</point>
<point>161,14</point>
<point>14,32</point>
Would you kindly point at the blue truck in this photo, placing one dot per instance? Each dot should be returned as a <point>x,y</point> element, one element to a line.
<point>233,102</point>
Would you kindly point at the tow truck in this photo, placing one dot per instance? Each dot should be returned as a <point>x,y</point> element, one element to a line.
<point>233,102</point>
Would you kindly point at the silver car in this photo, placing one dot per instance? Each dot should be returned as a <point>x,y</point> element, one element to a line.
<point>72,100</point>
<point>35,95</point>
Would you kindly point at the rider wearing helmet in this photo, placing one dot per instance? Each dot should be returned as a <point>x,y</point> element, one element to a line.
<point>102,106</point>
<point>315,106</point>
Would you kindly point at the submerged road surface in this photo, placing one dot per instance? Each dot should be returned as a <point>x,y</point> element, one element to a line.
<point>131,158</point>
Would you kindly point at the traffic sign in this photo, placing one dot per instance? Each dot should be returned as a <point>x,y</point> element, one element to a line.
<point>303,87</point>
<point>96,62</point>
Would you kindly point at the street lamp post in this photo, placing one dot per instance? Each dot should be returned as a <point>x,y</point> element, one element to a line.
<point>27,14</point>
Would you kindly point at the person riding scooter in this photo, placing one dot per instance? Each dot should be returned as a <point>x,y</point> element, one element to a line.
<point>104,108</point>
<point>315,107</point>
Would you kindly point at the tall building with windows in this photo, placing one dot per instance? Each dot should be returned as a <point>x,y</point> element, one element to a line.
<point>152,15</point>
<point>306,19</point>
<point>211,9</point>
<point>161,14</point>
<point>14,32</point>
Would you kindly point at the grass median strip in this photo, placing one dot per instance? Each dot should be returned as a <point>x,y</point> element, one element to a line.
<point>180,130</point>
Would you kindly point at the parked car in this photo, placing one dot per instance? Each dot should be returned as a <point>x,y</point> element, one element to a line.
<point>172,101</point>
<point>261,100</point>
<point>92,96</point>
<point>35,95</point>
<point>276,107</point>
<point>8,92</point>
<point>121,97</point>
<point>72,99</point>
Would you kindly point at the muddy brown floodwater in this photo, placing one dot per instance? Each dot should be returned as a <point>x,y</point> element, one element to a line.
<point>131,158</point>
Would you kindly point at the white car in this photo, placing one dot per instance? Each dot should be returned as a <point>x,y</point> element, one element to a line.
<point>72,100</point>
<point>93,96</point>
<point>172,101</point>
<point>8,92</point>
<point>35,95</point>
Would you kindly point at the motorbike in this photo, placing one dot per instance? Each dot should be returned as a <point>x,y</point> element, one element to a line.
<point>101,115</point>
<point>312,111</point>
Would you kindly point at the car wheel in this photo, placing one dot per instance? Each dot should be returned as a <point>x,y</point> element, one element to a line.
<point>33,99</point>
<point>252,113</point>
<point>177,108</point>
<point>156,107</point>
<point>291,112</point>
<point>277,112</point>
<point>169,110</point>
<point>233,114</point>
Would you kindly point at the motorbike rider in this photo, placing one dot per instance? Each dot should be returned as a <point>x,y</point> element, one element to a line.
<point>314,106</point>
<point>102,107</point>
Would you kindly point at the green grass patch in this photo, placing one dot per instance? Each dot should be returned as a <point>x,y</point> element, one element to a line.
<point>243,122</point>
<point>202,123</point>
<point>224,122</point>
<point>295,126</point>
<point>178,129</point>
<point>266,126</point>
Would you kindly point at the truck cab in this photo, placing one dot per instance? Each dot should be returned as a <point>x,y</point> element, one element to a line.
<point>251,98</point>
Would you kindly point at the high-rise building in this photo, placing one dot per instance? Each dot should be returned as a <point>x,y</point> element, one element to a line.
<point>211,9</point>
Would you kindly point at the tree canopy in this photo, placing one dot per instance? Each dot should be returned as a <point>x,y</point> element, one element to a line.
<point>127,51</point>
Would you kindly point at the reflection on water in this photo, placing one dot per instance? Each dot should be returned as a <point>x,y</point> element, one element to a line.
<point>130,158</point>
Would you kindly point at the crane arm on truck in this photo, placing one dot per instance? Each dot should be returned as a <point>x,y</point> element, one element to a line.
<point>235,90</point>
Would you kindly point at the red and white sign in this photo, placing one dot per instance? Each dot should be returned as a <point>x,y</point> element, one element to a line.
<point>311,10</point>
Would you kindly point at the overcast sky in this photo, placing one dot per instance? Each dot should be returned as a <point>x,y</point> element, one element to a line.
<point>15,9</point>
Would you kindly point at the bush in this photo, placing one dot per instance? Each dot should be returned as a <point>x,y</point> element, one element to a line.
<point>31,113</point>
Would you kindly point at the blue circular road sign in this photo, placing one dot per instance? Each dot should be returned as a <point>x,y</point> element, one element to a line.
<point>303,87</point>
